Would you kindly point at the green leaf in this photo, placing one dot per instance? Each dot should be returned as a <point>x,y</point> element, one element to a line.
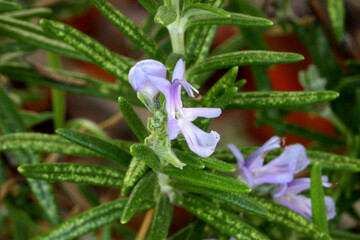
<point>151,5</point>
<point>336,10</point>
<point>162,218</point>
<point>112,63</point>
<point>219,219</point>
<point>202,8</point>
<point>236,19</point>
<point>219,95</point>
<point>74,173</point>
<point>285,127</point>
<point>27,26</point>
<point>240,202</point>
<point>273,99</point>
<point>165,15</point>
<point>76,83</point>
<point>32,119</point>
<point>90,126</point>
<point>196,230</point>
<point>216,164</point>
<point>134,173</point>
<point>317,198</point>
<point>89,221</point>
<point>133,32</point>
<point>291,219</point>
<point>198,43</point>
<point>133,119</point>
<point>334,161</point>
<point>103,148</point>
<point>348,84</point>
<point>243,58</point>
<point>141,193</point>
<point>11,46</point>
<point>40,142</point>
<point>6,6</point>
<point>38,40</point>
<point>207,179</point>
<point>189,159</point>
<point>28,13</point>
<point>146,154</point>
<point>11,122</point>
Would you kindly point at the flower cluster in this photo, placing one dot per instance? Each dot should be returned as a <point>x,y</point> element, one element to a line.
<point>149,77</point>
<point>281,171</point>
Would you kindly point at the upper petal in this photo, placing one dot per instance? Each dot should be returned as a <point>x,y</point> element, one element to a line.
<point>256,159</point>
<point>173,127</point>
<point>192,113</point>
<point>140,72</point>
<point>297,203</point>
<point>330,208</point>
<point>179,70</point>
<point>238,155</point>
<point>200,142</point>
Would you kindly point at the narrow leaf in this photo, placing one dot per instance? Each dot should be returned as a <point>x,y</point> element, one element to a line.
<point>41,41</point>
<point>218,218</point>
<point>32,119</point>
<point>104,148</point>
<point>11,122</point>
<point>189,159</point>
<point>162,218</point>
<point>240,201</point>
<point>317,198</point>
<point>236,19</point>
<point>243,58</point>
<point>89,221</point>
<point>104,58</point>
<point>28,13</point>
<point>273,99</point>
<point>76,83</point>
<point>134,173</point>
<point>129,28</point>
<point>74,173</point>
<point>133,119</point>
<point>207,179</point>
<point>6,6</point>
<point>139,195</point>
<point>291,219</point>
<point>202,8</point>
<point>336,10</point>
<point>146,154</point>
<point>40,142</point>
<point>151,5</point>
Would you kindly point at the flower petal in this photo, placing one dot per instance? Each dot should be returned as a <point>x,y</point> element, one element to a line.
<point>330,208</point>
<point>179,70</point>
<point>301,184</point>
<point>238,155</point>
<point>280,191</point>
<point>256,159</point>
<point>297,203</point>
<point>298,153</point>
<point>200,142</point>
<point>192,113</point>
<point>140,72</point>
<point>173,128</point>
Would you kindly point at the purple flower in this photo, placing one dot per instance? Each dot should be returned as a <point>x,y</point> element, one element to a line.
<point>149,76</point>
<point>278,171</point>
<point>288,196</point>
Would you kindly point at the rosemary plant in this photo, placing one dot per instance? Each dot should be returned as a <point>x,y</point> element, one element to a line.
<point>271,193</point>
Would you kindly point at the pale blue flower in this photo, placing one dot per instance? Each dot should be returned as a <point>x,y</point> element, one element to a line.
<point>149,76</point>
<point>277,171</point>
<point>288,196</point>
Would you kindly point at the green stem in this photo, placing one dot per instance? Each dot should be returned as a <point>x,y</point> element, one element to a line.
<point>177,40</point>
<point>58,96</point>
